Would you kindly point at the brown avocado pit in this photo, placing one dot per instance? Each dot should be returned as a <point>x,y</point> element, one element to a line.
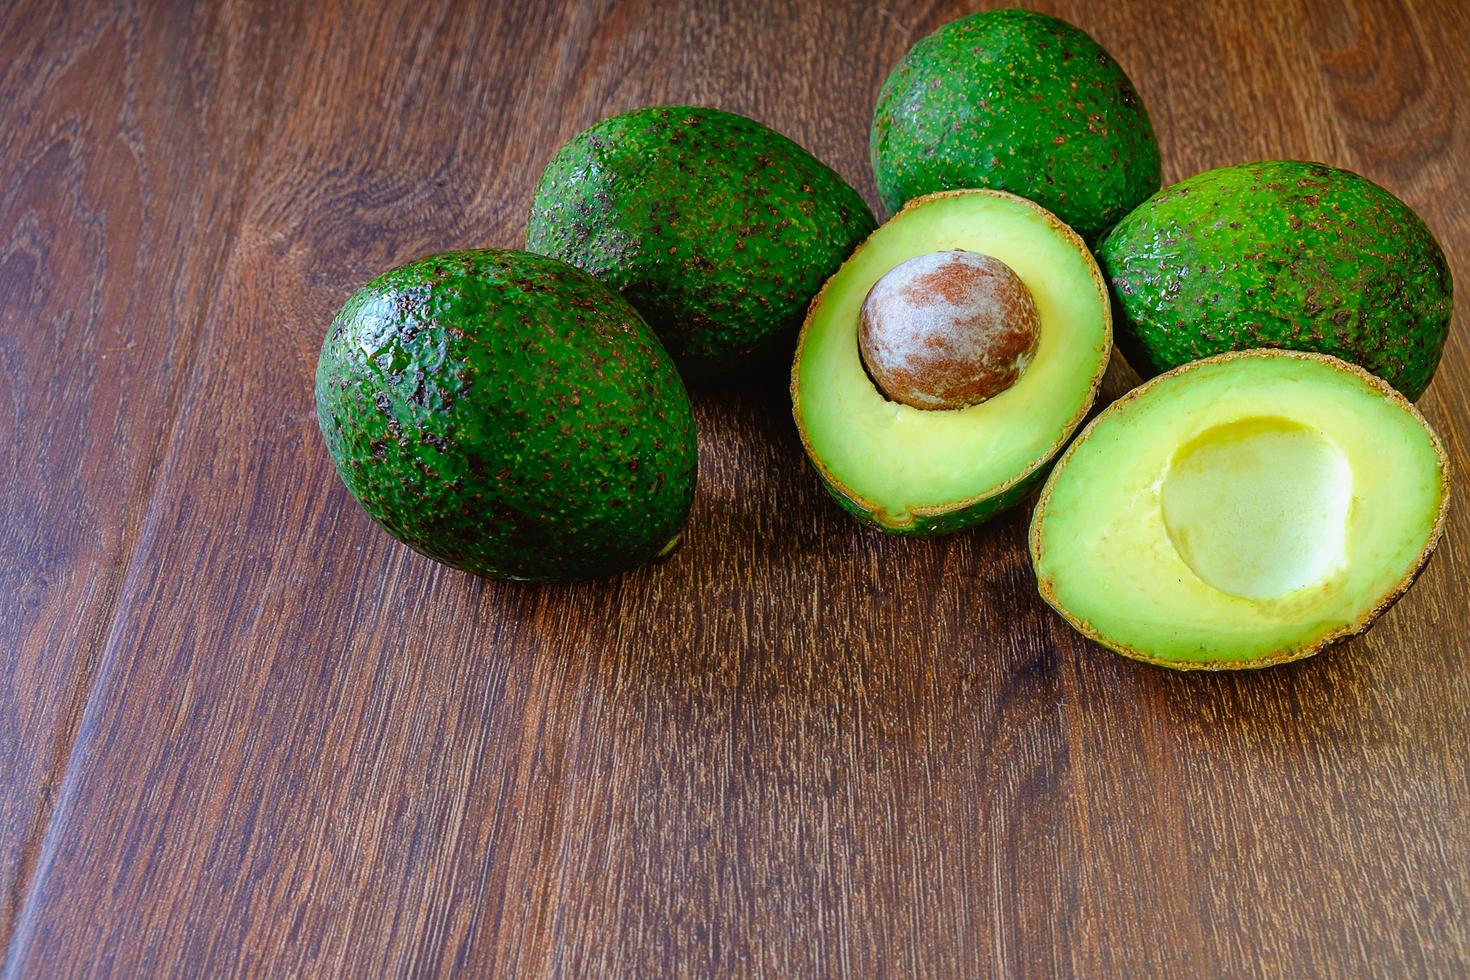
<point>947,330</point>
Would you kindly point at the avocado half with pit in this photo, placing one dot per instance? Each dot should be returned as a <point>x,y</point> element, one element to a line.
<point>1241,511</point>
<point>949,359</point>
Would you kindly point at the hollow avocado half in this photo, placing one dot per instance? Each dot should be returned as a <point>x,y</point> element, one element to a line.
<point>1240,511</point>
<point>916,471</point>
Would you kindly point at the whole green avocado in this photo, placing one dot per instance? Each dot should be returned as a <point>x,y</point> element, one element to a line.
<point>1020,102</point>
<point>507,414</point>
<point>1280,253</point>
<point>717,229</point>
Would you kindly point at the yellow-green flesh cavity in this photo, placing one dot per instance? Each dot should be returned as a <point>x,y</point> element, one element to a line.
<point>894,461</point>
<point>1239,511</point>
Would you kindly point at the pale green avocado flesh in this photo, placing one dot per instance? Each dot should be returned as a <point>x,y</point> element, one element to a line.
<point>1240,511</point>
<point>913,470</point>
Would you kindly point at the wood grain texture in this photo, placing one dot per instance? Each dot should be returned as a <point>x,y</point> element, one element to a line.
<point>243,732</point>
<point>118,202</point>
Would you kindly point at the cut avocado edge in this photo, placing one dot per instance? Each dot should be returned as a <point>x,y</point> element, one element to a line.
<point>956,515</point>
<point>1290,652</point>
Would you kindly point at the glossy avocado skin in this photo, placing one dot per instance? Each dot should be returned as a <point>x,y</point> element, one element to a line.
<point>1279,254</point>
<point>1020,102</point>
<point>506,414</point>
<point>716,228</point>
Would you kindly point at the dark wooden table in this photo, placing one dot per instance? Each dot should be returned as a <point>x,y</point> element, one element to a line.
<point>241,730</point>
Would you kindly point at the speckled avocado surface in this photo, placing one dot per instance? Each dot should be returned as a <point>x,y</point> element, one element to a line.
<point>1280,254</point>
<point>716,228</point>
<point>507,414</point>
<point>1020,102</point>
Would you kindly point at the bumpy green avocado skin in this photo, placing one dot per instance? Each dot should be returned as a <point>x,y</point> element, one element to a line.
<point>1019,102</point>
<point>1279,254</point>
<point>507,414</point>
<point>716,228</point>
